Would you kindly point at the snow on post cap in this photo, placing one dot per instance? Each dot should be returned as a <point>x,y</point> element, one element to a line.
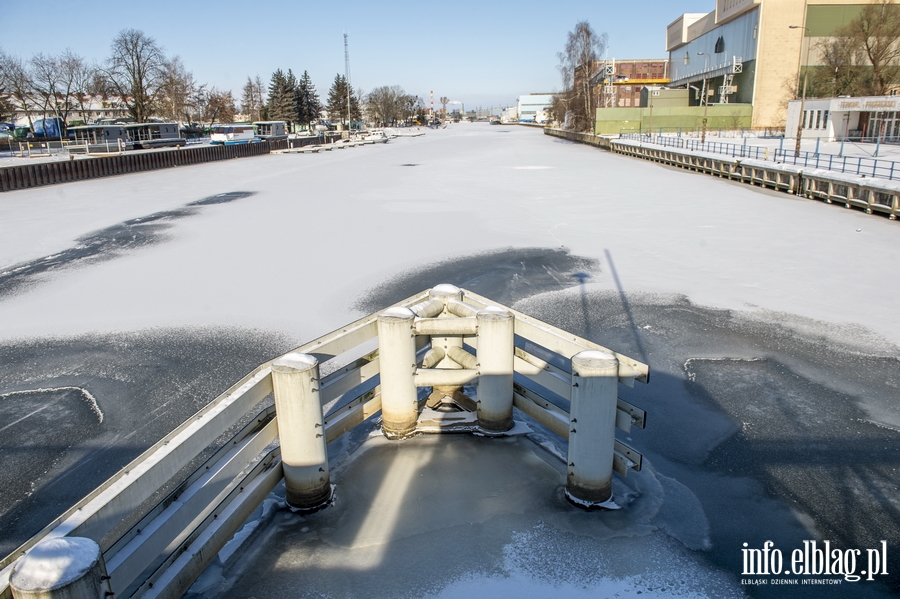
<point>493,313</point>
<point>55,563</point>
<point>294,362</point>
<point>594,359</point>
<point>444,289</point>
<point>397,313</point>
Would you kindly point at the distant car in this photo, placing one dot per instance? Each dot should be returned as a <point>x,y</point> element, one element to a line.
<point>495,121</point>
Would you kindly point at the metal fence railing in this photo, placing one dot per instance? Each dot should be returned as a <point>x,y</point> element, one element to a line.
<point>32,148</point>
<point>857,165</point>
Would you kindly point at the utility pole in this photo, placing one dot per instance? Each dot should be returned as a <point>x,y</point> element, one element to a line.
<point>805,78</point>
<point>347,78</point>
<point>705,98</point>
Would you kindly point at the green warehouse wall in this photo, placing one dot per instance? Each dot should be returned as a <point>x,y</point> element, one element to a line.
<point>612,121</point>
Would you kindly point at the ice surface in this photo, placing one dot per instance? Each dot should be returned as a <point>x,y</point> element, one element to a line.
<point>438,516</point>
<point>722,244</point>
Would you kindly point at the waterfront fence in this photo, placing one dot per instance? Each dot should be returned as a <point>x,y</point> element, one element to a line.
<point>857,165</point>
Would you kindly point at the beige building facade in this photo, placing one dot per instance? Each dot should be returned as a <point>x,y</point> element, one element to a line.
<point>753,51</point>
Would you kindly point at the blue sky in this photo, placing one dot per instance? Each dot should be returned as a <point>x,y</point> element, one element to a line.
<point>479,53</point>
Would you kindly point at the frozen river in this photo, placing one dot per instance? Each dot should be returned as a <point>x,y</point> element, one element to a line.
<point>769,322</point>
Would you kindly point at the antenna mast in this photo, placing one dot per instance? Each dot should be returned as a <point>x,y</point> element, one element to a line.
<point>347,76</point>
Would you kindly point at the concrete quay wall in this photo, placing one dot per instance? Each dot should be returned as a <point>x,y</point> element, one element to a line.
<point>873,195</point>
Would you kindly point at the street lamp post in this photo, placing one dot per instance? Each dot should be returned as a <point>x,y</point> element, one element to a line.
<point>803,95</point>
<point>705,98</point>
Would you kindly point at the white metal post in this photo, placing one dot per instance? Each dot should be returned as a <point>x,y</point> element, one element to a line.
<point>397,355</point>
<point>304,453</point>
<point>446,292</point>
<point>496,331</point>
<point>60,568</point>
<point>592,423</point>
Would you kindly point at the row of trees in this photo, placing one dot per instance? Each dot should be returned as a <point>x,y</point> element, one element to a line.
<point>139,77</point>
<point>137,74</point>
<point>297,102</point>
<point>289,100</point>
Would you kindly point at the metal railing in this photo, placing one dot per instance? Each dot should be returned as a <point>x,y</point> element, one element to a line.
<point>856,165</point>
<point>35,148</point>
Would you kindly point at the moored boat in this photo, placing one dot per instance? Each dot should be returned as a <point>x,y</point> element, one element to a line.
<point>232,134</point>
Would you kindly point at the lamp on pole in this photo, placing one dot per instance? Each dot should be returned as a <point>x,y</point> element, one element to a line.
<point>705,98</point>
<point>803,94</point>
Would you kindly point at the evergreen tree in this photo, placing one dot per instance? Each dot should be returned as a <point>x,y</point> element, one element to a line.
<point>280,106</point>
<point>337,101</point>
<point>308,103</point>
<point>291,106</point>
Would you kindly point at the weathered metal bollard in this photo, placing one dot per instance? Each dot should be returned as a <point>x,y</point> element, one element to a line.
<point>301,430</point>
<point>397,356</point>
<point>61,568</point>
<point>496,337</point>
<point>592,423</point>
<point>446,292</point>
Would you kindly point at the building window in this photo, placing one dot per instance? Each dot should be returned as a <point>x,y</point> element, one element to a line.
<point>818,119</point>
<point>720,45</point>
<point>825,119</point>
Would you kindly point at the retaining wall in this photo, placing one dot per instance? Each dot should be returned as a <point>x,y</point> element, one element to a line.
<point>65,171</point>
<point>584,138</point>
<point>874,196</point>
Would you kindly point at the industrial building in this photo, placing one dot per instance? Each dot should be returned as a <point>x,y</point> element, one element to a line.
<point>618,83</point>
<point>753,51</point>
<point>534,108</point>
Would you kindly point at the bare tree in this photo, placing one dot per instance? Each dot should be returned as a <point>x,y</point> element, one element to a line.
<point>218,106</point>
<point>444,100</point>
<point>83,75</point>
<point>7,110</point>
<point>842,69</point>
<point>876,31</point>
<point>176,93</point>
<point>386,104</point>
<point>15,80</point>
<point>576,65</point>
<point>862,58</point>
<point>252,100</point>
<point>57,80</point>
<point>44,82</point>
<point>409,107</point>
<point>135,70</point>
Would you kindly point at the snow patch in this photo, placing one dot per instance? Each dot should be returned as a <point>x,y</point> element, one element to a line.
<point>55,563</point>
<point>85,394</point>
